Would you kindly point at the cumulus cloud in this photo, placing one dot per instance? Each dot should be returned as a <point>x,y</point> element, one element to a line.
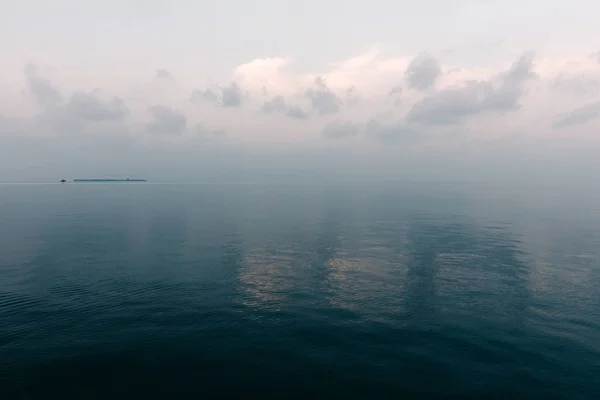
<point>46,94</point>
<point>232,96</point>
<point>90,106</point>
<point>200,96</point>
<point>166,121</point>
<point>338,130</point>
<point>278,105</point>
<point>84,106</point>
<point>499,94</point>
<point>275,105</point>
<point>465,98</point>
<point>322,99</point>
<point>579,116</point>
<point>228,97</point>
<point>422,72</point>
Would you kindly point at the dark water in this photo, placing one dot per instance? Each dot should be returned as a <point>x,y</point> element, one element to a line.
<point>283,291</point>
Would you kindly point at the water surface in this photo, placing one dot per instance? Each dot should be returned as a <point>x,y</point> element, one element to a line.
<point>293,291</point>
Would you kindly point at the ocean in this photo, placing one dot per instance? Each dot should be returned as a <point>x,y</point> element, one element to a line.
<point>354,291</point>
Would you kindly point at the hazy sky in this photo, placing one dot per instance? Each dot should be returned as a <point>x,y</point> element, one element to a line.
<point>452,88</point>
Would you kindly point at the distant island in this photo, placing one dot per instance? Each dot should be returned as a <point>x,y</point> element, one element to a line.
<point>110,180</point>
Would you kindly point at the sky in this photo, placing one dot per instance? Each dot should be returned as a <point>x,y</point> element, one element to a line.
<point>234,90</point>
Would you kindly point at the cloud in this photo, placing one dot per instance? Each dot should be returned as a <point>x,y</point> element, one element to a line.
<point>89,106</point>
<point>492,100</point>
<point>46,94</point>
<point>579,116</point>
<point>275,105</point>
<point>395,93</point>
<point>499,94</point>
<point>228,97</point>
<point>162,73</point>
<point>521,70</point>
<point>396,90</point>
<point>278,105</point>
<point>295,112</point>
<point>200,96</point>
<point>166,121</point>
<point>322,99</point>
<point>351,98</point>
<point>422,72</point>
<point>232,96</point>
<point>337,130</point>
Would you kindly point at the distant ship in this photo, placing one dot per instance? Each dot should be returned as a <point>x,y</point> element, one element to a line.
<point>110,180</point>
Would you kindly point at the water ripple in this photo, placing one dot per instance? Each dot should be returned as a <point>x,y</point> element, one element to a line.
<point>336,292</point>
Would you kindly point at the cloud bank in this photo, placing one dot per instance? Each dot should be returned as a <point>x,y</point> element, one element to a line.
<point>367,106</point>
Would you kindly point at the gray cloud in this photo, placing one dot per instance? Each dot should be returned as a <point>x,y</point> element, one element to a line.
<point>323,100</point>
<point>232,96</point>
<point>46,94</point>
<point>162,73</point>
<point>337,130</point>
<point>351,98</point>
<point>296,112</point>
<point>167,121</point>
<point>229,97</point>
<point>81,106</point>
<point>278,105</point>
<point>520,71</point>
<point>396,90</point>
<point>422,72</point>
<point>88,106</point>
<point>275,105</point>
<point>450,106</point>
<point>579,116</point>
<point>395,93</point>
<point>200,96</point>
<point>500,94</point>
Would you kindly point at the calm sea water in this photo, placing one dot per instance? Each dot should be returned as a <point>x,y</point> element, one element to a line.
<point>299,291</point>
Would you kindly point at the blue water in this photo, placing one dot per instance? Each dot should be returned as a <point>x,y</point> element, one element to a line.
<point>299,291</point>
